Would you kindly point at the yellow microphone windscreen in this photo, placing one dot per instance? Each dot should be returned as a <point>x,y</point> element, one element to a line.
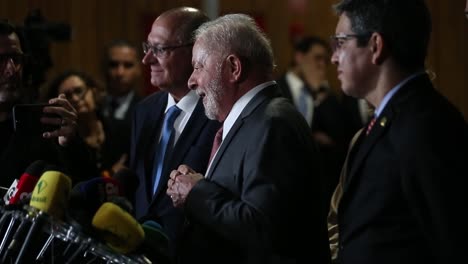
<point>119,229</point>
<point>51,193</point>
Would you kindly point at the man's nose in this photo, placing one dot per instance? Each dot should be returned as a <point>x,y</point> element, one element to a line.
<point>148,58</point>
<point>10,68</point>
<point>192,84</point>
<point>334,58</point>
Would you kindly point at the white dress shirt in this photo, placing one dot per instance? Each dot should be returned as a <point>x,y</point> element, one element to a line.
<point>236,110</point>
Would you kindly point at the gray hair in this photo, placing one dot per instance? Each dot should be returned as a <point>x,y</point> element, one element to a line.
<point>238,34</point>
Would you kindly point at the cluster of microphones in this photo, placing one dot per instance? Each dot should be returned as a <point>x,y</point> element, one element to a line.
<point>45,219</point>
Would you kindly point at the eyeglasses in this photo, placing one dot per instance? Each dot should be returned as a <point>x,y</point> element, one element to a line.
<point>18,60</point>
<point>337,41</point>
<point>161,51</point>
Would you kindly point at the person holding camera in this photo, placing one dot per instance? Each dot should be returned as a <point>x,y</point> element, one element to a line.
<point>60,146</point>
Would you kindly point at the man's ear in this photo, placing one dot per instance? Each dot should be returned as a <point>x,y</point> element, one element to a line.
<point>298,58</point>
<point>378,48</point>
<point>236,68</point>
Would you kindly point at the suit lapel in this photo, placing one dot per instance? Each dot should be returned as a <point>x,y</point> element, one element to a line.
<point>224,145</point>
<point>268,92</point>
<point>147,143</point>
<point>365,144</point>
<point>383,123</point>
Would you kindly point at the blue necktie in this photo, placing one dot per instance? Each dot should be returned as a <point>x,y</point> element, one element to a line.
<point>166,142</point>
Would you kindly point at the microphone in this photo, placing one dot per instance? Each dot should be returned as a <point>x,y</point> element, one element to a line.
<point>49,198</point>
<point>156,243</point>
<point>123,203</point>
<point>86,197</point>
<point>16,197</point>
<point>129,179</point>
<point>20,189</point>
<point>10,192</point>
<point>98,190</point>
<point>51,193</point>
<point>118,228</point>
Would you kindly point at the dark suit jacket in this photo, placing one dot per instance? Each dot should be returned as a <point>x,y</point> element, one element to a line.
<point>18,151</point>
<point>286,91</point>
<point>330,118</point>
<point>354,121</point>
<point>192,148</point>
<point>117,135</point>
<point>251,208</point>
<point>406,186</point>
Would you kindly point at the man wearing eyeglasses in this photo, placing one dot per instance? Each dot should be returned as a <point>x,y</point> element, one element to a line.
<point>61,147</point>
<point>406,173</point>
<point>170,126</point>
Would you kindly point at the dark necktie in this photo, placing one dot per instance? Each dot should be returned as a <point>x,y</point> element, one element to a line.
<point>303,105</point>
<point>370,125</point>
<point>216,142</point>
<point>167,137</point>
<point>113,107</point>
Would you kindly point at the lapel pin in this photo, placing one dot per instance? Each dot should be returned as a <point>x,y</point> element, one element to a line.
<point>383,121</point>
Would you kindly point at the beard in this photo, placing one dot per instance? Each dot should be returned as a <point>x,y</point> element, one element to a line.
<point>214,93</point>
<point>9,95</point>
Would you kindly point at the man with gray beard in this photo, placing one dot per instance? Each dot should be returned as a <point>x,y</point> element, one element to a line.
<point>250,205</point>
<point>169,127</point>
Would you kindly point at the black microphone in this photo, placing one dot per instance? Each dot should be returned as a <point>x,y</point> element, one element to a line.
<point>129,180</point>
<point>86,197</point>
<point>156,243</point>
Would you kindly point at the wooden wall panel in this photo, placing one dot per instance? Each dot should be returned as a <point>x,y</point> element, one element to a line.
<point>448,55</point>
<point>95,23</point>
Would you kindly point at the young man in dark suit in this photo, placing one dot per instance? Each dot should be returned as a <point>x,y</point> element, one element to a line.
<point>169,127</point>
<point>306,85</point>
<point>406,174</point>
<point>249,206</point>
<point>122,68</point>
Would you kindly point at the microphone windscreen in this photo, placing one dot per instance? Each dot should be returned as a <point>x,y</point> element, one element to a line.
<point>26,182</point>
<point>36,168</point>
<point>129,180</point>
<point>156,243</point>
<point>86,197</point>
<point>51,192</point>
<point>79,208</point>
<point>100,189</point>
<point>153,224</point>
<point>118,228</point>
<point>122,202</point>
<point>93,193</point>
<point>154,235</point>
<point>24,187</point>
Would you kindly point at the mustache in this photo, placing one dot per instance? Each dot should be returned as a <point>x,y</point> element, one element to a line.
<point>13,81</point>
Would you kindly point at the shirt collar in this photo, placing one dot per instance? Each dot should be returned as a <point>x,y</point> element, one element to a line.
<point>240,104</point>
<point>393,91</point>
<point>186,104</point>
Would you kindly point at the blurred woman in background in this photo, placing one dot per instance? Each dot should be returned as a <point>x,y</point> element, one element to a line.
<point>81,90</point>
